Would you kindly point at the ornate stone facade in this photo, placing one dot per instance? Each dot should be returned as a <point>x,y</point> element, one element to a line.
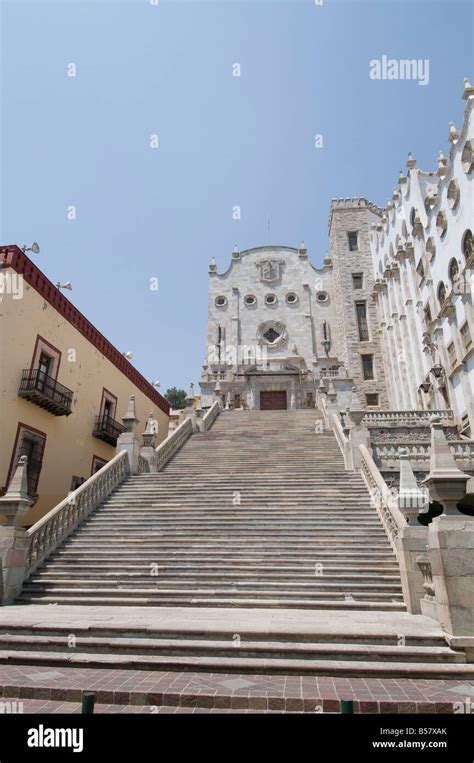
<point>277,324</point>
<point>387,319</point>
<point>423,257</point>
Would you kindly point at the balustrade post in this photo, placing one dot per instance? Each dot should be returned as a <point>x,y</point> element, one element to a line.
<point>445,481</point>
<point>148,451</point>
<point>14,542</point>
<point>412,539</point>
<point>128,440</point>
<point>358,435</point>
<point>451,554</point>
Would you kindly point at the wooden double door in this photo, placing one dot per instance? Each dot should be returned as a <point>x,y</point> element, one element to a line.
<point>274,400</point>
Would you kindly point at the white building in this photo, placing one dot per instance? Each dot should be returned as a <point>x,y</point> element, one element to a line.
<point>423,258</point>
<point>387,319</point>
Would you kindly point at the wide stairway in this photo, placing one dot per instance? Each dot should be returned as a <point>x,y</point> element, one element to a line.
<point>256,512</point>
<point>253,551</point>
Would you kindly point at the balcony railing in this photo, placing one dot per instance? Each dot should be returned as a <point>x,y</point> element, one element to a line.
<point>45,391</point>
<point>107,429</point>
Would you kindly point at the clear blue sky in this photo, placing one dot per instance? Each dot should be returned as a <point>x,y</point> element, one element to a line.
<point>223,141</point>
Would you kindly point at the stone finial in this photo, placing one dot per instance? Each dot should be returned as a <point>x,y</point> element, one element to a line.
<point>190,395</point>
<point>396,194</point>
<point>235,253</point>
<point>454,133</point>
<point>218,387</point>
<point>151,430</point>
<point>130,419</point>
<point>302,250</point>
<point>321,387</point>
<point>16,501</point>
<point>402,178</point>
<point>411,161</point>
<point>332,394</point>
<point>411,499</point>
<point>445,481</point>
<point>213,265</point>
<point>468,90</point>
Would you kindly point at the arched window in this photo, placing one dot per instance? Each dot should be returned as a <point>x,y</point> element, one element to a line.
<point>453,270</point>
<point>441,292</point>
<point>467,244</point>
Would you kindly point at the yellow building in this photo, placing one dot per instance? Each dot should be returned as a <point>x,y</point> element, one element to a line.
<point>63,387</point>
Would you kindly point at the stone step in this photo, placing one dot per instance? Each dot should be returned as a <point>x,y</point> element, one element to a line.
<point>285,587</point>
<point>214,601</point>
<point>326,667</point>
<point>194,555</point>
<point>180,573</point>
<point>229,647</point>
<point>243,591</point>
<point>360,571</point>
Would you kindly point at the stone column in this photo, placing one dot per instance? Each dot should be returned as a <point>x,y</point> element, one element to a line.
<point>128,440</point>
<point>148,451</point>
<point>445,482</point>
<point>190,411</point>
<point>451,550</point>
<point>14,542</point>
<point>413,539</point>
<point>358,435</point>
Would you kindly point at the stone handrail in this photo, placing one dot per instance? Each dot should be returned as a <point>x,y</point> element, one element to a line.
<point>169,447</point>
<point>342,441</point>
<point>143,465</point>
<point>211,415</point>
<point>381,497</point>
<point>424,564</point>
<point>52,529</point>
<point>420,451</point>
<point>423,417</point>
<point>323,407</point>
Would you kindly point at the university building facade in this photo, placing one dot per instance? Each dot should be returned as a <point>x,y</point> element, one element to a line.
<point>386,321</point>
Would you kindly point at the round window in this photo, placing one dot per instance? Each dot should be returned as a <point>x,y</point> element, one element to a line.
<point>322,296</point>
<point>291,298</point>
<point>221,301</point>
<point>250,300</point>
<point>270,299</point>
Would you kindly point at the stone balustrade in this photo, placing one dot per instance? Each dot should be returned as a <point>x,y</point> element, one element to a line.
<point>143,465</point>
<point>387,455</point>
<point>428,602</point>
<point>167,449</point>
<point>382,498</point>
<point>60,522</point>
<point>211,415</point>
<point>381,418</point>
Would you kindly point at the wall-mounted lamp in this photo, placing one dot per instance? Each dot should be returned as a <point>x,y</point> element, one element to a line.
<point>33,248</point>
<point>437,371</point>
<point>326,343</point>
<point>425,387</point>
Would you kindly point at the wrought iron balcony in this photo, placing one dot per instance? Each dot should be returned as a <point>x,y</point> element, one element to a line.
<point>107,429</point>
<point>45,391</point>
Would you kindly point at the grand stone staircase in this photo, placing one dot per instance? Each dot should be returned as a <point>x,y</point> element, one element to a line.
<point>253,551</point>
<point>256,512</point>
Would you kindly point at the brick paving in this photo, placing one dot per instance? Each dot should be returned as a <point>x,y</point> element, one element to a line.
<point>221,691</point>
